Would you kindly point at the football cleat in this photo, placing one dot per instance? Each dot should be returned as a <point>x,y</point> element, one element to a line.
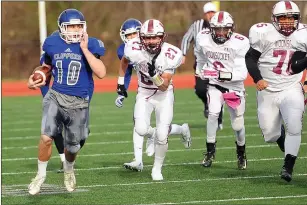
<point>241,156</point>
<point>134,166</point>
<point>186,136</point>
<point>209,155</point>
<point>156,174</point>
<point>36,184</point>
<point>70,181</point>
<point>286,174</point>
<point>287,169</point>
<point>150,144</point>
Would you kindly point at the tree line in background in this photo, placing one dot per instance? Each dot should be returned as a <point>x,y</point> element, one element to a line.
<point>20,30</point>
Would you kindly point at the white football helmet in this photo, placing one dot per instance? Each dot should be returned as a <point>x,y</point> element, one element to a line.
<point>221,26</point>
<point>286,9</point>
<point>152,28</point>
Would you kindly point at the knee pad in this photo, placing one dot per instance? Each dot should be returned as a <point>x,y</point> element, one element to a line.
<point>238,123</point>
<point>141,128</point>
<point>161,135</point>
<point>73,148</point>
<point>213,116</point>
<point>294,129</point>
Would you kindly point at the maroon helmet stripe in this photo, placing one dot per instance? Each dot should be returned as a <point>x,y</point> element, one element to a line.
<point>150,26</point>
<point>288,5</point>
<point>220,17</point>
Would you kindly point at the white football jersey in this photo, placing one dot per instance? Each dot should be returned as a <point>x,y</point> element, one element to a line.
<point>227,57</point>
<point>276,51</point>
<point>168,60</point>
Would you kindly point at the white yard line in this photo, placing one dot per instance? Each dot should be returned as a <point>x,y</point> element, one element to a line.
<point>115,124</point>
<point>171,164</point>
<point>172,138</point>
<point>230,200</point>
<point>171,182</point>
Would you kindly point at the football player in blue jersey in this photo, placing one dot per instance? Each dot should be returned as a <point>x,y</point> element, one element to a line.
<point>129,31</point>
<point>73,58</point>
<point>58,139</point>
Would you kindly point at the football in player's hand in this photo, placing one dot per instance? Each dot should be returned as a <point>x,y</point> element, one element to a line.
<point>43,73</point>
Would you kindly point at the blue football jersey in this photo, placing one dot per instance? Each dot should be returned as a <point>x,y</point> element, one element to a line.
<point>71,71</point>
<point>128,74</point>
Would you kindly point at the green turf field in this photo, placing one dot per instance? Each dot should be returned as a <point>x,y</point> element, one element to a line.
<point>101,179</point>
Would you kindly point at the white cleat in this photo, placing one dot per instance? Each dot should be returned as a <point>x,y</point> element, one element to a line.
<point>156,175</point>
<point>150,144</point>
<point>70,181</point>
<point>134,165</point>
<point>186,136</point>
<point>36,184</point>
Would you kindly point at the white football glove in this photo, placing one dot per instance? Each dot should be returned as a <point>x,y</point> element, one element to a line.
<point>119,101</point>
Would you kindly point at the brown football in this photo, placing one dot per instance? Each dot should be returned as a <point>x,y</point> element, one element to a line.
<point>43,73</point>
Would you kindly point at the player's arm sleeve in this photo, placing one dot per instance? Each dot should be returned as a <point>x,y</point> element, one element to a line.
<point>254,53</point>
<point>251,60</point>
<point>298,62</point>
<point>186,40</point>
<point>128,75</point>
<point>120,51</point>
<point>97,48</point>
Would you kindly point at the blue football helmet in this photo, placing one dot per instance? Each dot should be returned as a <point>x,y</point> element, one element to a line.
<point>129,26</point>
<point>71,17</point>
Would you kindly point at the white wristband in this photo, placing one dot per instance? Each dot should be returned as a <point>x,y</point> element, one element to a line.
<point>121,80</point>
<point>157,80</point>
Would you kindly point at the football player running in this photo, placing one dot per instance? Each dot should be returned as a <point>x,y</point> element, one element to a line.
<point>279,96</point>
<point>130,31</point>
<point>155,62</point>
<point>73,58</point>
<point>58,139</point>
<point>220,58</point>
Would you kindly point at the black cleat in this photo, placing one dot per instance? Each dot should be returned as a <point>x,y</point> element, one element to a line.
<point>241,156</point>
<point>281,140</point>
<point>209,155</point>
<point>287,169</point>
<point>285,174</point>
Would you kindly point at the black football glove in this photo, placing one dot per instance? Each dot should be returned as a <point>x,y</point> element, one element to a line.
<point>121,90</point>
<point>151,67</point>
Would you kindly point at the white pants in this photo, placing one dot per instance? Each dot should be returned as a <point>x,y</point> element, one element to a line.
<point>273,107</point>
<point>146,102</point>
<point>215,102</point>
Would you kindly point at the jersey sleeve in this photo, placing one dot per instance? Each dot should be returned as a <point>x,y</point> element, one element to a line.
<point>120,51</point>
<point>300,40</point>
<point>175,62</point>
<point>96,46</point>
<point>132,49</point>
<point>256,34</point>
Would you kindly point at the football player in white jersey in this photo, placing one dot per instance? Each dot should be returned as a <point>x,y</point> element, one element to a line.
<point>129,31</point>
<point>280,96</point>
<point>221,58</point>
<point>155,62</point>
